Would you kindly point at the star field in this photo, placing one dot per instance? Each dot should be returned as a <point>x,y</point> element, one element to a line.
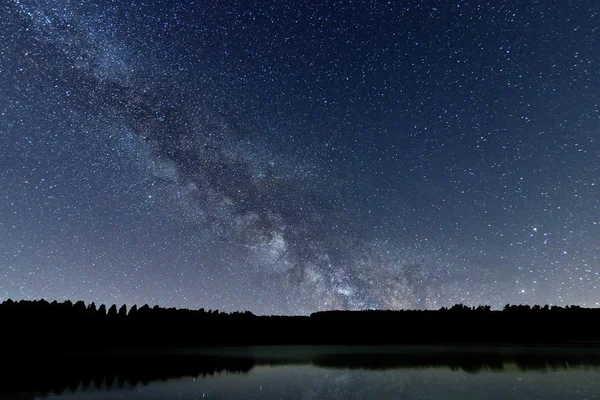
<point>290,157</point>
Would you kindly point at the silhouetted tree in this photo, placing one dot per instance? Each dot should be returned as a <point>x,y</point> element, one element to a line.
<point>144,310</point>
<point>123,311</point>
<point>112,311</point>
<point>133,311</point>
<point>79,307</point>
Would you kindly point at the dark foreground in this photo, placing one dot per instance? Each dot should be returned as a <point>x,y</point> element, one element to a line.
<point>32,375</point>
<point>54,348</point>
<point>61,327</point>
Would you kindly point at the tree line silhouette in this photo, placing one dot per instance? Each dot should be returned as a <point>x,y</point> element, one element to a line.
<point>59,327</point>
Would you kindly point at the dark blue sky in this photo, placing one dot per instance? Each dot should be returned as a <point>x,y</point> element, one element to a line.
<point>299,156</point>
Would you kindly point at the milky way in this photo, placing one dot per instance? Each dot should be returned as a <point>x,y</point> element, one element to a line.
<point>294,157</point>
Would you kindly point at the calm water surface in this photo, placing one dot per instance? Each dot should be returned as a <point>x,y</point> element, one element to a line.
<point>306,382</point>
<point>301,377</point>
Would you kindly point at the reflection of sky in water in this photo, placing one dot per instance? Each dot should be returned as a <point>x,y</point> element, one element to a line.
<point>306,382</point>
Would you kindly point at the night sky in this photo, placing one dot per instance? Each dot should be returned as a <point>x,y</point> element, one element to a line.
<point>287,157</point>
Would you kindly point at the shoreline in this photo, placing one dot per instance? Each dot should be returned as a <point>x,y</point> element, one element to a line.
<point>305,350</point>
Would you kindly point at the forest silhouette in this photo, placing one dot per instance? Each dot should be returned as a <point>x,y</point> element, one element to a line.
<point>63,347</point>
<point>34,326</point>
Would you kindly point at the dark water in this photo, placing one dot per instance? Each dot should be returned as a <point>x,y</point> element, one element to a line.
<point>322,373</point>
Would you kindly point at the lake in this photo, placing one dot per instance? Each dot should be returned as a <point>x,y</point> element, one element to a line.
<point>331,373</point>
